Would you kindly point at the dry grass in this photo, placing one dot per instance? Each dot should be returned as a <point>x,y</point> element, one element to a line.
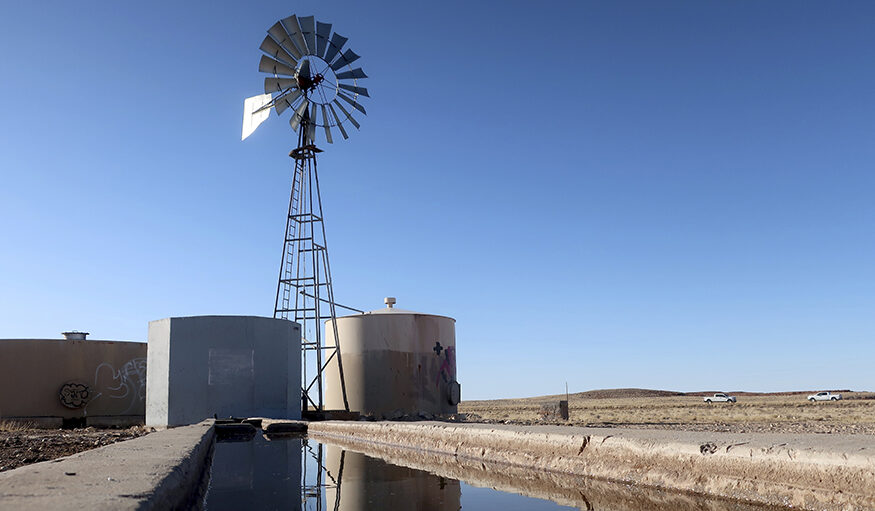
<point>10,426</point>
<point>671,409</point>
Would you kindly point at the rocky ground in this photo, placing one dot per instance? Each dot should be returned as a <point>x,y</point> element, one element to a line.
<point>21,446</point>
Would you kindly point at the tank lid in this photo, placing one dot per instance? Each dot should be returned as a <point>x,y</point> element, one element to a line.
<point>390,308</point>
<point>390,302</point>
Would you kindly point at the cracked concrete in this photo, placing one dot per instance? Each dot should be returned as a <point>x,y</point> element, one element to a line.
<point>805,471</point>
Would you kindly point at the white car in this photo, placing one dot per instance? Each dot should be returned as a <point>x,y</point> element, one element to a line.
<point>719,398</point>
<point>824,396</point>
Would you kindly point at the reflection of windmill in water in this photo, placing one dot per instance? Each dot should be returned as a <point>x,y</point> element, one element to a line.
<point>311,75</point>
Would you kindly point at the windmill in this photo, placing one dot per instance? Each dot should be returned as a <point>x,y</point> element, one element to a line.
<point>311,75</point>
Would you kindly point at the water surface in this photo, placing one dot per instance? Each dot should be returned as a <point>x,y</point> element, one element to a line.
<point>303,474</point>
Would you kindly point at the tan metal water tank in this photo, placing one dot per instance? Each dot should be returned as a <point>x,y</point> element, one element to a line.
<point>395,362</point>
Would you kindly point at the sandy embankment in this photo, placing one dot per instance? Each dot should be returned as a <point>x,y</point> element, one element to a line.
<point>816,472</point>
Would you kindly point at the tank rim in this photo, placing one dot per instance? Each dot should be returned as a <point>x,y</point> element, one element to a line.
<point>394,313</point>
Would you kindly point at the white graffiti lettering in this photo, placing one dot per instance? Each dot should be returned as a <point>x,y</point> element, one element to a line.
<point>128,382</point>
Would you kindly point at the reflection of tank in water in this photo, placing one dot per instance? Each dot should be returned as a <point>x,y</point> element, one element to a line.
<point>257,474</point>
<point>367,483</point>
<point>395,362</point>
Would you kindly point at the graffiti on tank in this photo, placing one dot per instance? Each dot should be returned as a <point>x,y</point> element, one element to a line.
<point>126,383</point>
<point>448,363</point>
<point>74,394</point>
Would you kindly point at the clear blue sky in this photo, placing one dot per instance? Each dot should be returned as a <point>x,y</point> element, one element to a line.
<point>670,195</point>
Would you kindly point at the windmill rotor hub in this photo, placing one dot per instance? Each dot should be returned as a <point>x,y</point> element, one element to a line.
<point>315,83</point>
<point>316,80</point>
<point>310,83</point>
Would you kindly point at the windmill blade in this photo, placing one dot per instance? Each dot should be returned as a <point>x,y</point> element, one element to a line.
<point>311,126</point>
<point>298,116</point>
<point>253,115</point>
<point>346,59</point>
<point>276,51</point>
<point>268,65</point>
<point>279,34</point>
<point>286,101</point>
<point>308,28</point>
<point>337,120</point>
<point>337,42</point>
<point>272,84</point>
<point>293,28</point>
<point>304,69</point>
<point>347,114</point>
<point>358,90</point>
<point>323,30</point>
<point>352,102</point>
<point>355,73</point>
<point>326,123</point>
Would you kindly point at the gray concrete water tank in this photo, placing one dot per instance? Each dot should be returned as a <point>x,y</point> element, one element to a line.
<point>241,366</point>
<point>395,362</point>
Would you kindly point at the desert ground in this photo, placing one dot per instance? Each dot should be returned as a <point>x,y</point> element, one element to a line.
<point>22,445</point>
<point>785,412</point>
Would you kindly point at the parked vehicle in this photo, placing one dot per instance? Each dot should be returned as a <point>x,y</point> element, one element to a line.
<point>719,398</point>
<point>824,396</point>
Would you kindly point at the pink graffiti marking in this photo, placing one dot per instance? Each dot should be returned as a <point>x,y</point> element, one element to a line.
<point>446,369</point>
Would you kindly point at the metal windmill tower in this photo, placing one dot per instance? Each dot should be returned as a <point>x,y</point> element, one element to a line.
<point>311,75</point>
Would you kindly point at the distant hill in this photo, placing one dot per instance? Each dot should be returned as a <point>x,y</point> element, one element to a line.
<point>649,393</point>
<point>593,394</point>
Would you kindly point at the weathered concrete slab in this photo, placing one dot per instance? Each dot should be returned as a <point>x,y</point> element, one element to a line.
<point>161,470</point>
<point>806,471</point>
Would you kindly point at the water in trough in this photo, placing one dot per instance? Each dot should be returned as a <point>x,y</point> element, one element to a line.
<point>302,474</point>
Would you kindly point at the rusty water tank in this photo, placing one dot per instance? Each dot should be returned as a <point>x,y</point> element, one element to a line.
<point>395,362</point>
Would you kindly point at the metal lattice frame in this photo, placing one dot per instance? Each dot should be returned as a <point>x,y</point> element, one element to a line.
<point>304,290</point>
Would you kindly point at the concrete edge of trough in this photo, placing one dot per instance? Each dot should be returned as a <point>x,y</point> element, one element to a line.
<point>162,470</point>
<point>812,472</point>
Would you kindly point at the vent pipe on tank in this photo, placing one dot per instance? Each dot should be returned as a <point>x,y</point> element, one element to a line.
<point>390,301</point>
<point>74,335</point>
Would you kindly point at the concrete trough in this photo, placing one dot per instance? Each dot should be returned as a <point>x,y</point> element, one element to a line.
<point>802,471</point>
<point>160,471</point>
